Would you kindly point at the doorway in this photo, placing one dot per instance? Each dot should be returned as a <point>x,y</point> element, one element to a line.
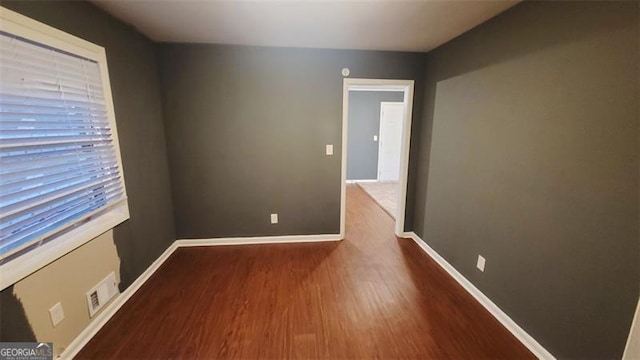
<point>390,140</point>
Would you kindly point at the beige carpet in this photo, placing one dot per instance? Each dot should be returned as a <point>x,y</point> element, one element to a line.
<point>384,193</point>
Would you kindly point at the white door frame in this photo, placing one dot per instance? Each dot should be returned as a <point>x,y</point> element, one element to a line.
<point>632,339</point>
<point>405,86</point>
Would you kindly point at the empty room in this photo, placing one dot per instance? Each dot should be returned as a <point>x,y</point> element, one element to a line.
<point>318,179</point>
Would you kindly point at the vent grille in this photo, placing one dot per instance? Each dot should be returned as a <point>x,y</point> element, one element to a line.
<point>100,295</point>
<point>95,302</point>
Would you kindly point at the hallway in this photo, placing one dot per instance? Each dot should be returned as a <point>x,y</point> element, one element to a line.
<point>370,296</point>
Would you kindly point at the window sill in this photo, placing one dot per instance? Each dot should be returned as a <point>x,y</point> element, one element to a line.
<point>17,269</point>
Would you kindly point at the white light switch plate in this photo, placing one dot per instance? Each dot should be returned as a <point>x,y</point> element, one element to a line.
<point>57,314</point>
<point>481,263</point>
<point>375,137</point>
<point>274,218</point>
<point>329,149</point>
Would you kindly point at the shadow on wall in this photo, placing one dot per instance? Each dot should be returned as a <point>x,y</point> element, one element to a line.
<point>14,325</point>
<point>488,45</point>
<point>121,236</point>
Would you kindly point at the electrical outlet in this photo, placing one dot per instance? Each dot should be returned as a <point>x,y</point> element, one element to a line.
<point>329,149</point>
<point>57,314</point>
<point>274,218</point>
<point>375,137</point>
<point>481,262</point>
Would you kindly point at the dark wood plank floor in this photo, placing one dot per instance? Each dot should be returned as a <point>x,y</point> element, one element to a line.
<point>370,296</point>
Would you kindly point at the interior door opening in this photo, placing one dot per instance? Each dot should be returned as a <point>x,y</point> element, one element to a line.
<point>376,132</point>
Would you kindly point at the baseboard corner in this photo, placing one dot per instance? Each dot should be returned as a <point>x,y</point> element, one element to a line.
<point>407,235</point>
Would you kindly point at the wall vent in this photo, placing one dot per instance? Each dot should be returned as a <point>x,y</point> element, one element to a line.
<point>94,300</point>
<point>102,293</point>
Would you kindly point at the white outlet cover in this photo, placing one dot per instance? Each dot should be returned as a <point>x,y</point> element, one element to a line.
<point>329,149</point>
<point>57,314</point>
<point>481,263</point>
<point>375,137</point>
<point>274,218</point>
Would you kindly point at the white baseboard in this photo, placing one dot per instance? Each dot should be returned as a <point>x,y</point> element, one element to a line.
<point>102,318</point>
<point>255,240</point>
<point>635,328</point>
<point>362,181</point>
<point>500,315</point>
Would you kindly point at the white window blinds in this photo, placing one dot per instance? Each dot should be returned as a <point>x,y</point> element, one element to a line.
<point>58,161</point>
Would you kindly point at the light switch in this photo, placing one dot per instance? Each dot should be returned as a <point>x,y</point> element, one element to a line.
<point>274,218</point>
<point>375,137</point>
<point>329,149</point>
<point>57,314</point>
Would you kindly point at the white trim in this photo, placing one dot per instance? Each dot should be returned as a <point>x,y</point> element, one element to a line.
<point>380,143</point>
<point>526,339</point>
<point>89,332</point>
<point>404,160</point>
<point>376,88</point>
<point>256,240</point>
<point>44,33</point>
<point>343,171</point>
<point>635,326</point>
<point>56,248</point>
<point>382,85</point>
<point>362,181</point>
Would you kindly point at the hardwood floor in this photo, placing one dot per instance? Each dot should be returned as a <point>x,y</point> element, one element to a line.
<point>370,296</point>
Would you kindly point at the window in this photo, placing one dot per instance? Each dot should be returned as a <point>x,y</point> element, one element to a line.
<point>61,181</point>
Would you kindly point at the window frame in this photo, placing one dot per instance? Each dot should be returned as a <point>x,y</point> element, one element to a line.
<point>71,236</point>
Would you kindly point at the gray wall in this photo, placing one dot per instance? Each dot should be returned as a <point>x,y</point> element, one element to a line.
<point>364,123</point>
<point>135,85</point>
<point>247,128</point>
<point>529,143</point>
<point>533,163</point>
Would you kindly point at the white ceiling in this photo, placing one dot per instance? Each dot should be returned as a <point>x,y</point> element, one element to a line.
<point>373,25</point>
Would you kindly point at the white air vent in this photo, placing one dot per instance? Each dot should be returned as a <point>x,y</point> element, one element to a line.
<point>102,293</point>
